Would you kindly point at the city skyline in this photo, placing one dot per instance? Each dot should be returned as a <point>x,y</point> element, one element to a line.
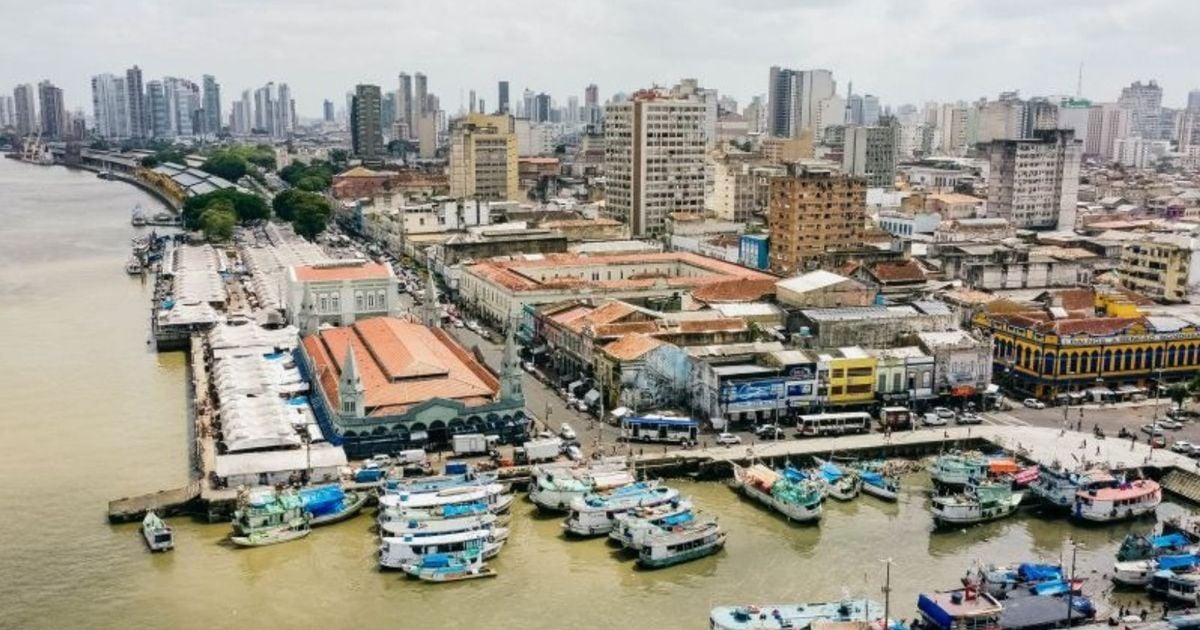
<point>922,52</point>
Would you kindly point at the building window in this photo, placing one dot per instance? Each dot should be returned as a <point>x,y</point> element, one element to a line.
<point>336,301</point>
<point>358,301</point>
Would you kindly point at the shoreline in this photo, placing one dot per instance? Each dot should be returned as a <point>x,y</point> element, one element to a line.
<point>111,176</point>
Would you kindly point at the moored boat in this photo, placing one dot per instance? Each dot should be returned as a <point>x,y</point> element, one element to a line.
<point>1142,547</point>
<point>1184,589</point>
<point>398,552</point>
<point>1106,499</point>
<point>963,608</point>
<point>133,266</point>
<point>1000,580</point>
<point>263,537</point>
<point>159,536</point>
<point>956,469</point>
<point>440,512</point>
<point>265,517</point>
<point>438,527</point>
<point>841,484</point>
<point>595,514</point>
<point>1135,573</point>
<point>553,489</point>
<point>446,567</point>
<point>978,504</point>
<point>1056,487</point>
<point>1143,572</point>
<point>880,486</point>
<point>330,504</point>
<point>681,544</point>
<point>424,485</point>
<point>633,527</point>
<point>492,494</point>
<point>793,616</point>
<point>797,500</point>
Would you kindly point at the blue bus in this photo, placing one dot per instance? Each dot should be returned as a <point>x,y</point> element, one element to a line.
<point>655,428</point>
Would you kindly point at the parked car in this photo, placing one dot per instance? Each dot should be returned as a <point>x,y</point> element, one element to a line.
<point>527,366</point>
<point>1183,446</point>
<point>728,439</point>
<point>970,418</point>
<point>933,420</point>
<point>1151,429</point>
<point>1173,425</point>
<point>1158,441</point>
<point>574,453</point>
<point>381,461</point>
<point>765,429</point>
<point>566,432</point>
<point>772,432</point>
<point>944,413</point>
<point>1033,403</point>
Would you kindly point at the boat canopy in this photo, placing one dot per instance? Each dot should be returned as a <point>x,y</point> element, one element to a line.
<point>831,472</point>
<point>1169,541</point>
<point>1178,562</point>
<point>1033,572</point>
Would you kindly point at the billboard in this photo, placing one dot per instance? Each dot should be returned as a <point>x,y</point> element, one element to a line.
<point>757,393</point>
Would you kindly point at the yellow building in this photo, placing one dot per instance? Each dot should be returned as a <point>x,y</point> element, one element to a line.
<point>1086,345</point>
<point>1158,266</point>
<point>483,158</point>
<point>851,379</point>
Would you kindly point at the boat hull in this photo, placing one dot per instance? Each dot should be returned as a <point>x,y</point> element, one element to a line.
<point>793,512</point>
<point>265,539</point>
<point>972,515</point>
<point>679,558</point>
<point>1133,574</point>
<point>880,492</point>
<point>352,508</point>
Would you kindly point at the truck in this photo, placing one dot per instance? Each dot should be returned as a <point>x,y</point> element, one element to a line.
<point>473,443</point>
<point>539,450</point>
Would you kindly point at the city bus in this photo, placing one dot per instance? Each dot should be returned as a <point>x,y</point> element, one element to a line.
<point>655,428</point>
<point>835,423</point>
<point>895,418</point>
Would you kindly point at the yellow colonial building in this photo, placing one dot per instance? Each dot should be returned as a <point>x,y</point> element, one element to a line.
<point>851,379</point>
<point>1082,344</point>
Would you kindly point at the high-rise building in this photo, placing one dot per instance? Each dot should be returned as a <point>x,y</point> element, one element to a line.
<point>404,101</point>
<point>654,148</point>
<point>285,121</point>
<point>366,123</point>
<point>53,111</point>
<point>110,106</point>
<point>1193,102</point>
<point>870,110</point>
<point>572,116</point>
<point>1107,123</point>
<point>135,98</point>
<point>795,101</point>
<point>591,105</point>
<point>870,153</point>
<point>156,110</point>
<point>1144,100</point>
<point>1033,182</point>
<point>471,103</point>
<point>1002,119</point>
<point>25,108</point>
<point>265,110</point>
<point>483,158</point>
<point>527,108</point>
<point>756,116</point>
<point>387,115</point>
<point>420,96</point>
<point>854,109</point>
<point>502,101</point>
<point>541,108</point>
<point>1040,114</point>
<point>811,211</point>
<point>183,106</point>
<point>328,110</point>
<point>8,114</point>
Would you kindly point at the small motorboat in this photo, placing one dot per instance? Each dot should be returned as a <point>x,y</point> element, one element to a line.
<point>445,567</point>
<point>265,537</point>
<point>159,536</point>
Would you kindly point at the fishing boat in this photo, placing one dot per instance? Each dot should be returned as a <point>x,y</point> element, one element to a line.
<point>267,518</point>
<point>387,515</point>
<point>793,616</point>
<point>138,216</point>
<point>492,494</point>
<point>439,527</point>
<point>1056,487</point>
<point>554,488</point>
<point>978,504</point>
<point>880,486</point>
<point>447,567</point>
<point>1000,580</point>
<point>797,500</point>
<point>1026,477</point>
<point>841,484</point>
<point>398,552</point>
<point>1142,547</point>
<point>159,536</point>
<point>133,266</point>
<point>633,527</point>
<point>424,485</point>
<point>963,608</point>
<point>1106,499</point>
<point>330,504</point>
<point>1184,589</point>
<point>595,514</point>
<point>1142,572</point>
<point>956,469</point>
<point>682,543</point>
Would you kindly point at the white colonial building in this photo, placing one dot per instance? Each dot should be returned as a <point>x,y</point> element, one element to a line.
<point>339,293</point>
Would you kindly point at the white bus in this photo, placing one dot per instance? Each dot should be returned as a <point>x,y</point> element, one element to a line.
<point>835,423</point>
<point>655,428</point>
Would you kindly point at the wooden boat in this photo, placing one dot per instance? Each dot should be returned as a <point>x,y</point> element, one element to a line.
<point>399,552</point>
<point>799,500</point>
<point>794,616</point>
<point>268,518</point>
<point>263,537</point>
<point>681,544</point>
<point>633,527</point>
<point>840,483</point>
<point>880,486</point>
<point>595,514</point>
<point>955,469</point>
<point>449,568</point>
<point>1106,499</point>
<point>1140,547</point>
<point>326,505</point>
<point>159,536</point>
<point>554,488</point>
<point>979,504</point>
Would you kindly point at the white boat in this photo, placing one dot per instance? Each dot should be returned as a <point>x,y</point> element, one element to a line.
<point>433,514</point>
<point>396,552</point>
<point>438,527</point>
<point>554,488</point>
<point>840,484</point>
<point>595,514</point>
<point>423,485</point>
<point>1134,572</point>
<point>445,567</point>
<point>634,527</point>
<point>799,500</point>
<point>265,517</point>
<point>1106,499</point>
<point>263,537</point>
<point>681,544</point>
<point>880,486</point>
<point>793,616</point>
<point>1056,486</point>
<point>1185,589</point>
<point>133,266</point>
<point>159,536</point>
<point>955,469</point>
<point>491,494</point>
<point>979,504</point>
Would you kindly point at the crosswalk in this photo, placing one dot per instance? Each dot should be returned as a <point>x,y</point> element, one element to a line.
<point>1004,419</point>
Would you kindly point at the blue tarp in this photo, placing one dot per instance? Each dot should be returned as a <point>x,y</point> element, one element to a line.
<point>830,472</point>
<point>1168,541</point>
<point>873,478</point>
<point>1177,562</point>
<point>467,509</point>
<point>677,519</point>
<point>1048,589</point>
<point>322,500</point>
<point>1032,572</point>
<point>934,613</point>
<point>437,560</point>
<point>793,475</point>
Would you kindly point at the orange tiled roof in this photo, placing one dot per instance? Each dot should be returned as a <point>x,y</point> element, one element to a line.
<point>1077,299</point>
<point>907,271</point>
<point>305,273</point>
<point>401,363</point>
<point>631,346</point>
<point>508,273</point>
<point>736,290</point>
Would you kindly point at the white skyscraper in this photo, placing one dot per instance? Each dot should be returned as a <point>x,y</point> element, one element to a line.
<point>110,106</point>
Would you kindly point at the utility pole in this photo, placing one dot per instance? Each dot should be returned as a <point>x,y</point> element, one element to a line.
<point>1071,584</point>
<point>887,592</point>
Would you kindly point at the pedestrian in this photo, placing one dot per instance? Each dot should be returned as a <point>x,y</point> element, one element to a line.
<point>1097,449</point>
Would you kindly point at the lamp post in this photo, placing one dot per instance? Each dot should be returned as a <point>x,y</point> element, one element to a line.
<point>1071,583</point>
<point>887,591</point>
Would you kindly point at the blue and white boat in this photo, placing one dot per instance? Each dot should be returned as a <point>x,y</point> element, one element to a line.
<point>1140,547</point>
<point>843,485</point>
<point>880,486</point>
<point>793,616</point>
<point>595,514</point>
<point>397,552</point>
<point>401,528</point>
<point>1142,572</point>
<point>330,504</point>
<point>1000,580</point>
<point>423,485</point>
<point>681,543</point>
<point>633,527</point>
<point>492,494</point>
<point>449,567</point>
<point>442,512</point>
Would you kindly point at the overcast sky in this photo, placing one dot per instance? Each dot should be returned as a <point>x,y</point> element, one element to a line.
<point>905,51</point>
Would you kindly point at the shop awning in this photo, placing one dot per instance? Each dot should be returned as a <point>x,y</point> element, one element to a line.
<point>418,436</point>
<point>1100,391</point>
<point>1077,395</point>
<point>1129,389</point>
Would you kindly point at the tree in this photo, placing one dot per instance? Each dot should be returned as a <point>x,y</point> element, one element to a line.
<point>285,203</point>
<point>246,207</point>
<point>339,156</point>
<point>226,165</point>
<point>311,183</point>
<point>218,220</point>
<point>312,215</point>
<point>1178,394</point>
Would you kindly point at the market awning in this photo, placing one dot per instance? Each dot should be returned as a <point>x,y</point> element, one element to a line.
<point>418,436</point>
<point>1100,391</point>
<point>1129,389</point>
<point>1077,395</point>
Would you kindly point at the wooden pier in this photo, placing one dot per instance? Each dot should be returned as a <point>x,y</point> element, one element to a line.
<point>174,502</point>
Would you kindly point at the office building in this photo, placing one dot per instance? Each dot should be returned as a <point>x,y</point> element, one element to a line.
<point>654,159</point>
<point>870,153</point>
<point>1002,119</point>
<point>366,123</point>
<point>1144,101</point>
<point>25,109</point>
<point>53,112</point>
<point>110,106</point>
<point>404,100</point>
<point>327,109</point>
<point>212,106</point>
<point>1033,182</point>
<point>795,102</point>
<point>1164,267</point>
<point>483,158</point>
<point>7,111</point>
<point>420,99</point>
<point>870,110</point>
<point>135,99</point>
<point>1107,124</point>
<point>811,211</point>
<point>541,108</point>
<point>284,124</point>
<point>502,101</point>
<point>591,105</point>
<point>156,110</point>
<point>265,109</point>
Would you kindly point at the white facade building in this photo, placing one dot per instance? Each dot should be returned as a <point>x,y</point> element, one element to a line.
<point>1034,183</point>
<point>339,293</point>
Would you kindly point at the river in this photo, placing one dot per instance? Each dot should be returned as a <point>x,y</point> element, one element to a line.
<point>92,413</point>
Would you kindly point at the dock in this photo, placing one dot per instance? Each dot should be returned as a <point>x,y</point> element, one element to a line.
<point>173,502</point>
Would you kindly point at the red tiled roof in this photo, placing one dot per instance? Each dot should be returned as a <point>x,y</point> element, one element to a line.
<point>334,273</point>
<point>631,346</point>
<point>1077,299</point>
<point>736,290</point>
<point>907,271</point>
<point>1094,326</point>
<point>510,273</point>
